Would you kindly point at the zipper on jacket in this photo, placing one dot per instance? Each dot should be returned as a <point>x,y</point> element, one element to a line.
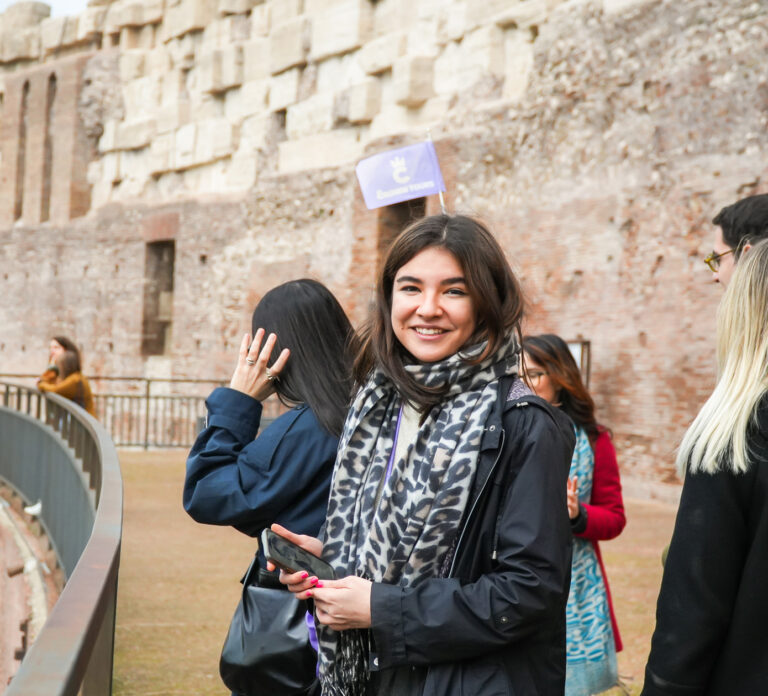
<point>474,505</point>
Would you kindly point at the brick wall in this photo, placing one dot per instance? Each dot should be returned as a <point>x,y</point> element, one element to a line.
<point>597,140</point>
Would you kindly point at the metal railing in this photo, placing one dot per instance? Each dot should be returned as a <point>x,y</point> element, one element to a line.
<point>147,412</point>
<point>54,452</point>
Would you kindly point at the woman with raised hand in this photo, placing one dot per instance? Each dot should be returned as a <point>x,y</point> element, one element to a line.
<point>712,612</point>
<point>447,523</point>
<point>596,510</point>
<point>302,351</point>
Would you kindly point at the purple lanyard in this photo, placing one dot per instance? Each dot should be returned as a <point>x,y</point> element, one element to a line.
<point>394,445</point>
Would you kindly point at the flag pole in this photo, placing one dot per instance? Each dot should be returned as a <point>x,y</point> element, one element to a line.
<point>439,193</point>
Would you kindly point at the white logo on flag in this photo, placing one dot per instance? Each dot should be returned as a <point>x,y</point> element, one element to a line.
<point>399,170</point>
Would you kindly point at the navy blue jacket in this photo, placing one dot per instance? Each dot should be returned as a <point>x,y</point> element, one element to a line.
<point>282,476</point>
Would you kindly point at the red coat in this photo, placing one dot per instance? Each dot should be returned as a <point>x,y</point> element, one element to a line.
<point>605,512</point>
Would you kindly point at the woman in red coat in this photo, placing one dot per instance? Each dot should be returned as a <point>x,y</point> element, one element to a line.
<point>596,510</point>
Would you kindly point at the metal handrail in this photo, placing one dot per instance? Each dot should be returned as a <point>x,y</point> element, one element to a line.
<point>146,411</point>
<point>73,653</point>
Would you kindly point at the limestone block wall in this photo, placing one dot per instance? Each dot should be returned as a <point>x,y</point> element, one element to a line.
<point>213,94</point>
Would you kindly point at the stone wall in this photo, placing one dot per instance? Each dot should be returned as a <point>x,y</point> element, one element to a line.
<point>597,138</point>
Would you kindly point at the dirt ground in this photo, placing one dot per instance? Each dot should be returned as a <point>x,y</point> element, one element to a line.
<point>179,584</point>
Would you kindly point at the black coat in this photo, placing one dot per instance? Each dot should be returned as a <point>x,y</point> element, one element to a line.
<point>496,625</point>
<point>711,634</point>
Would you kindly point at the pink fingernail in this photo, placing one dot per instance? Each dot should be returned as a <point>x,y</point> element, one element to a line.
<point>314,581</point>
<point>318,584</point>
<point>309,593</point>
<point>304,575</point>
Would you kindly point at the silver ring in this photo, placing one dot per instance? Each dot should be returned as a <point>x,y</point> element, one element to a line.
<point>250,362</point>
<point>270,376</point>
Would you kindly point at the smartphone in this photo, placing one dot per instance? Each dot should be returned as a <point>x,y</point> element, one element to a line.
<point>290,557</point>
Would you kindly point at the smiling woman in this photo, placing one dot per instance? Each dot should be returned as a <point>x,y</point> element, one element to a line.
<point>433,315</point>
<point>447,583</point>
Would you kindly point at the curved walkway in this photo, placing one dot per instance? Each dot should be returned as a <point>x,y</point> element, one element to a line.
<point>179,583</point>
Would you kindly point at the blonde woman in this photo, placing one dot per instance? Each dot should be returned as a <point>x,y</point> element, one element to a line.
<point>712,617</point>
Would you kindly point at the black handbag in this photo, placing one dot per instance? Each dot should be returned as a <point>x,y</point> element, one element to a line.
<point>267,650</point>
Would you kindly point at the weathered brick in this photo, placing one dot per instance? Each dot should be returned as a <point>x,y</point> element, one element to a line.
<point>255,60</point>
<point>330,149</point>
<point>363,101</point>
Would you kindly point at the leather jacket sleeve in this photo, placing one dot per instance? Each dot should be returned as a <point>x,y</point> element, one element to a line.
<point>519,594</point>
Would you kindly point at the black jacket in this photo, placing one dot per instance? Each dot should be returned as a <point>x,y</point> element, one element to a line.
<point>711,636</point>
<point>496,625</point>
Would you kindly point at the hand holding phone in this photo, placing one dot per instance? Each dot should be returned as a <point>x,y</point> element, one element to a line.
<point>292,558</point>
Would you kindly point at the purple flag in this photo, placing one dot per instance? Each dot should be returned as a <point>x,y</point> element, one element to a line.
<point>399,175</point>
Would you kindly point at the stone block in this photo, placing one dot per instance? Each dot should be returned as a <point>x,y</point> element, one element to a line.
<point>161,152</point>
<point>456,21</point>
<point>288,45</point>
<point>424,38</point>
<point>131,15</point>
<point>131,65</point>
<point>135,135</point>
<point>363,101</point>
<point>255,132</point>
<point>518,64</point>
<point>141,97</point>
<point>251,98</point>
<point>110,168</point>
<point>57,32</point>
<point>215,139</point>
<point>281,11</point>
<point>379,55</point>
<point>242,171</point>
<point>21,15</point>
<point>284,89</point>
<point>412,80</point>
<point>225,31</point>
<point>173,115</point>
<point>255,60</point>
<point>313,115</point>
<point>91,22</point>
<point>227,7</point>
<point>483,50</point>
<point>184,152</point>
<point>221,70</point>
<point>517,14</point>
<point>340,27</point>
<point>108,139</point>
<point>331,149</point>
<point>338,73</point>
<point>153,11</point>
<point>158,62</point>
<point>260,21</point>
<point>21,44</point>
<point>182,52</point>
<point>187,16</point>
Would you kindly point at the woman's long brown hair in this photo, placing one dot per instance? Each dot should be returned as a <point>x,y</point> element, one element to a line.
<point>495,293</point>
<point>553,354</point>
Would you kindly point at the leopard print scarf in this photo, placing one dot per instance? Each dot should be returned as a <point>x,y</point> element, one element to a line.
<point>399,530</point>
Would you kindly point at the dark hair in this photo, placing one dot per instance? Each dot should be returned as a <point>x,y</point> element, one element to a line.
<point>66,344</point>
<point>308,320</point>
<point>68,363</point>
<point>495,293</point>
<point>744,222</point>
<point>553,354</point>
